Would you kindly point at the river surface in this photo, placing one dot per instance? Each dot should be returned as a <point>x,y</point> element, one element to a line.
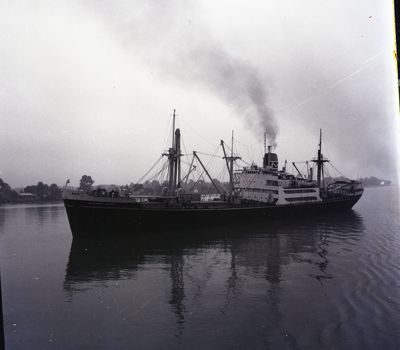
<point>325,283</point>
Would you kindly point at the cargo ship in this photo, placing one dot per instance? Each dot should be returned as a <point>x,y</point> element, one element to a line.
<point>256,194</point>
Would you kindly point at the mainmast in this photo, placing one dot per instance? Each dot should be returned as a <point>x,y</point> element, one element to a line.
<point>320,161</point>
<point>320,164</point>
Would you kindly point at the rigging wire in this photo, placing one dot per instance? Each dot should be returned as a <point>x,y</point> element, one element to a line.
<point>167,134</point>
<point>221,173</point>
<point>209,154</point>
<point>147,173</point>
<point>325,149</point>
<point>162,174</point>
<point>196,132</point>
<point>327,173</point>
<point>248,148</point>
<point>248,164</point>
<point>208,165</point>
<point>159,172</point>
<point>184,148</point>
<point>198,179</point>
<point>337,170</point>
<point>200,175</point>
<point>184,162</point>
<point>213,156</point>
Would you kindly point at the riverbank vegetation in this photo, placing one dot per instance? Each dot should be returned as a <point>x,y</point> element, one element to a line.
<point>40,192</point>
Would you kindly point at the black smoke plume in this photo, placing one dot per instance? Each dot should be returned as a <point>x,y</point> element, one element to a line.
<point>239,84</point>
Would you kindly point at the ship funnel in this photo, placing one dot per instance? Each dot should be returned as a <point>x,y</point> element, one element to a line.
<point>270,160</point>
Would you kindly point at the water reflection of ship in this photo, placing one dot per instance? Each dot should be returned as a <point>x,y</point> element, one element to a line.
<point>261,251</point>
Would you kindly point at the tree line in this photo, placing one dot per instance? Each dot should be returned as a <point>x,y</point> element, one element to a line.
<point>371,181</point>
<point>154,187</point>
<point>33,193</point>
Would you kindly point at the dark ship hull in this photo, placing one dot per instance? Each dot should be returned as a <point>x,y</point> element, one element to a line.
<point>255,195</point>
<point>110,217</point>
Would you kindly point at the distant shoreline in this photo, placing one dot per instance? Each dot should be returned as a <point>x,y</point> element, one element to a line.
<point>32,202</point>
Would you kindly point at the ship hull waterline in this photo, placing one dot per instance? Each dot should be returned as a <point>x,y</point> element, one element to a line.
<point>92,219</point>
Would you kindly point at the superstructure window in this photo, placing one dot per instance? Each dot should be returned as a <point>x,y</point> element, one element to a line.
<point>271,183</point>
<point>252,189</point>
<point>308,190</point>
<point>298,199</point>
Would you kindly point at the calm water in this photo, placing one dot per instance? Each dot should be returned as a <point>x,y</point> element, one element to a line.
<point>329,283</point>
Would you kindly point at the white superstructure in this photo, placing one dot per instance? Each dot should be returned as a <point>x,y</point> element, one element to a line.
<point>269,185</point>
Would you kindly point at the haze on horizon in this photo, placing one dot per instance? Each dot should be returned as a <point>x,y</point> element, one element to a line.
<point>89,87</point>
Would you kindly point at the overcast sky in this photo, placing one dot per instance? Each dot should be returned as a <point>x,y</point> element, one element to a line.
<point>88,87</point>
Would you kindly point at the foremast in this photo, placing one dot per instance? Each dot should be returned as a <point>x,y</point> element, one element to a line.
<point>174,160</point>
